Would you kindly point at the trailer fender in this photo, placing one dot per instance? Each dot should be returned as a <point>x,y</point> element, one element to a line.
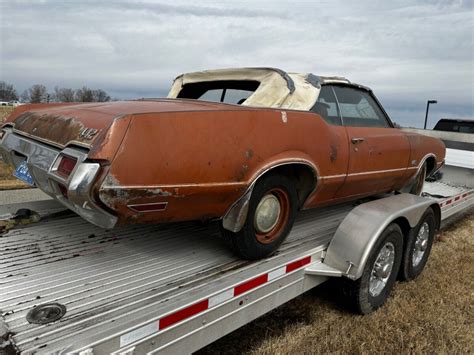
<point>355,237</point>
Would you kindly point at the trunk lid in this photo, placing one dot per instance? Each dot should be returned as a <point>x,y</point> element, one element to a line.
<point>88,124</point>
<point>61,124</point>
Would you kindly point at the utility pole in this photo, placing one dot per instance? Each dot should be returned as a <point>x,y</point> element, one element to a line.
<point>427,108</point>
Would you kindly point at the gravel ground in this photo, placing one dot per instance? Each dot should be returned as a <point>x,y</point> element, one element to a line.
<point>23,195</point>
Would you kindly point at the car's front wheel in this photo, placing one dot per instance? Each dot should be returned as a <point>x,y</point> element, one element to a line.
<point>270,217</point>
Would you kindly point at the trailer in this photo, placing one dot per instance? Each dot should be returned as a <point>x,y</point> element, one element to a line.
<point>68,286</point>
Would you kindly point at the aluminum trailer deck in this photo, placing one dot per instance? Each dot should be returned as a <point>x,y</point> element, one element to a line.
<point>168,288</point>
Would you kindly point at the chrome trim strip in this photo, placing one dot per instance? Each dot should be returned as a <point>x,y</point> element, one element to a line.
<point>367,173</point>
<point>377,172</point>
<point>170,186</point>
<point>333,176</point>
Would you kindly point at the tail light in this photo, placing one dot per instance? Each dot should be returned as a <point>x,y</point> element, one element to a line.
<point>66,166</point>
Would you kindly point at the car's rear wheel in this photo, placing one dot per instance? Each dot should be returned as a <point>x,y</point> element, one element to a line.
<point>270,217</point>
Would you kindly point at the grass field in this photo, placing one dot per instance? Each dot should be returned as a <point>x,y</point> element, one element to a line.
<point>434,314</point>
<point>4,112</point>
<point>7,180</point>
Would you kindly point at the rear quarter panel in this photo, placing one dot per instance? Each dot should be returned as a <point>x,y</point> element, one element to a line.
<point>202,162</point>
<point>423,147</point>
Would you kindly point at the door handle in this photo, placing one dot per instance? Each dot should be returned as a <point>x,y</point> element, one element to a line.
<point>357,140</point>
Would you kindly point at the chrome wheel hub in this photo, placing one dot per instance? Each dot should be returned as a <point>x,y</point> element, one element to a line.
<point>421,243</point>
<point>382,269</point>
<point>267,213</point>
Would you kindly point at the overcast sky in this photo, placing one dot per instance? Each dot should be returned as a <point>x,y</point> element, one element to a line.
<point>406,51</point>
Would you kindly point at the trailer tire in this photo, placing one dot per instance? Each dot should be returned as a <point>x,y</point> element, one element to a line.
<point>418,246</point>
<point>372,289</point>
<point>262,234</point>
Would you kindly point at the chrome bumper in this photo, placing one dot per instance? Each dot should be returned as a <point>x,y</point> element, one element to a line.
<point>42,162</point>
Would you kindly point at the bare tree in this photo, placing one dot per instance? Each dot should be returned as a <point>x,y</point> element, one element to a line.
<point>38,93</point>
<point>100,96</point>
<point>64,94</point>
<point>25,96</point>
<point>7,92</point>
<point>89,95</point>
<point>84,95</point>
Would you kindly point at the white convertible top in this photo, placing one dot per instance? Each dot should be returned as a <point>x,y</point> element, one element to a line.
<point>277,88</point>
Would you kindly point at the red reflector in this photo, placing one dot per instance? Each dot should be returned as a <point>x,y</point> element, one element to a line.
<point>260,280</point>
<point>63,190</point>
<point>297,264</point>
<point>66,165</point>
<point>183,314</point>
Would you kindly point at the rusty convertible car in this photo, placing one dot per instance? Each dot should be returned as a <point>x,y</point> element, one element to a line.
<point>249,147</point>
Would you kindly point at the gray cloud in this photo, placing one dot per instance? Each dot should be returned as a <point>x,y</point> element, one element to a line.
<point>407,51</point>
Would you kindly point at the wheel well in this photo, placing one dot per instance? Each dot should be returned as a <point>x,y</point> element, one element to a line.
<point>430,165</point>
<point>404,226</point>
<point>303,174</point>
<point>437,212</point>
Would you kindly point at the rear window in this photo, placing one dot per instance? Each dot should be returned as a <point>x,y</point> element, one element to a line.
<point>455,126</point>
<point>229,91</point>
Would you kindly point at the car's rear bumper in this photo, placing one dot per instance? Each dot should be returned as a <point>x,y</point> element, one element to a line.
<point>42,160</point>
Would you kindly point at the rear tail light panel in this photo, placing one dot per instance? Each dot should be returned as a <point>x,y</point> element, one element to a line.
<point>65,165</point>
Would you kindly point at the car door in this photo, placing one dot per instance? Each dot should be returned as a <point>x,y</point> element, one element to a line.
<point>332,140</point>
<point>378,152</point>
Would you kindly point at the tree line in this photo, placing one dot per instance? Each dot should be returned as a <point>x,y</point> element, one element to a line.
<point>39,94</point>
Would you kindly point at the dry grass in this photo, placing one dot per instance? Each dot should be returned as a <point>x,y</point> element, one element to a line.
<point>7,180</point>
<point>433,314</point>
<point>5,112</point>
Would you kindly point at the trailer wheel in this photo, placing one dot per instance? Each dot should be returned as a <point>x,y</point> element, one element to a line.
<point>271,214</point>
<point>418,247</point>
<point>372,289</point>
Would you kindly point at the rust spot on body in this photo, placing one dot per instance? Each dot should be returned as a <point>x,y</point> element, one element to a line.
<point>242,172</point>
<point>333,155</point>
<point>54,128</point>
